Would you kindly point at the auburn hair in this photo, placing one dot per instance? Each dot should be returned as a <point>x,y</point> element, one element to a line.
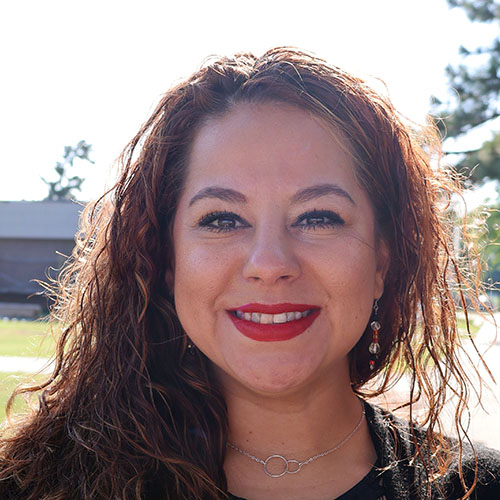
<point>127,413</point>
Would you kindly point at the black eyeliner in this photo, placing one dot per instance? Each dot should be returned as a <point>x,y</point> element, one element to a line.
<point>334,219</point>
<point>208,219</point>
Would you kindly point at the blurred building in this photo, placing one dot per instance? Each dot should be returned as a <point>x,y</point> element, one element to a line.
<point>34,236</point>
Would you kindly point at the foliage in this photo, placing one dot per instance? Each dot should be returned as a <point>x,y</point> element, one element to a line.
<point>63,187</point>
<point>484,226</point>
<point>478,10</point>
<point>482,163</point>
<point>476,84</point>
<point>491,250</point>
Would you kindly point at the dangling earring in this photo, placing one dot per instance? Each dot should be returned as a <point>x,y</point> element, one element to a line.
<point>191,348</point>
<point>374,347</point>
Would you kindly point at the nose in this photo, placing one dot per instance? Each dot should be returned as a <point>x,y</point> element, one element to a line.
<point>271,258</point>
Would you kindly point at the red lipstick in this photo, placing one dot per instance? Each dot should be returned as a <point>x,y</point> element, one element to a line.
<point>277,331</point>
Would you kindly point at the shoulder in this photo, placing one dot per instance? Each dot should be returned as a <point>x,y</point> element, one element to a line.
<point>403,472</point>
<point>487,463</point>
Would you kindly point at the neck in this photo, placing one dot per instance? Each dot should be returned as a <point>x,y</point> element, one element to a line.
<point>297,426</point>
<point>289,425</point>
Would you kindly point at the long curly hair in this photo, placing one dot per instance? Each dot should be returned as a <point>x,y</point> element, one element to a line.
<point>128,412</point>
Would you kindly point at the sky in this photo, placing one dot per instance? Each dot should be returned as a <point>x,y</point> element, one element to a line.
<point>95,69</point>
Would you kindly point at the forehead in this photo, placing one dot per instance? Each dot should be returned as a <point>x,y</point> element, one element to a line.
<point>275,142</point>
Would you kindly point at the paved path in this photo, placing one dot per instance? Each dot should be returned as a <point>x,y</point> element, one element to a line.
<point>484,423</point>
<point>12,364</point>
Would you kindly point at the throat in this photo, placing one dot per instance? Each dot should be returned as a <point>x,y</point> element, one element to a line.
<point>276,465</point>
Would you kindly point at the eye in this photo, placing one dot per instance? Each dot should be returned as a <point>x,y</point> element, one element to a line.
<point>318,219</point>
<point>222,222</point>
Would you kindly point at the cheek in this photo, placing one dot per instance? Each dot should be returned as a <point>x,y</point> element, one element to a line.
<point>202,273</point>
<point>347,262</point>
<point>195,273</point>
<point>349,276</point>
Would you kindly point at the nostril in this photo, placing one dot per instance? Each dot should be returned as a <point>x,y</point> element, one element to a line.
<point>271,258</point>
<point>286,277</point>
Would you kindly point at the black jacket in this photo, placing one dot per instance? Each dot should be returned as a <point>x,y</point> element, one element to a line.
<point>404,480</point>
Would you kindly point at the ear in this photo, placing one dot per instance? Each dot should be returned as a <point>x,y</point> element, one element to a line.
<point>383,261</point>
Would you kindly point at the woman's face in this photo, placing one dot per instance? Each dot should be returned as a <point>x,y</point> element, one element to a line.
<point>276,261</point>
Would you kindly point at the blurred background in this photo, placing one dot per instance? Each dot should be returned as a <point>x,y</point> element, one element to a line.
<point>79,78</point>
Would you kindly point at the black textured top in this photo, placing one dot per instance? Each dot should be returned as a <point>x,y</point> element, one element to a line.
<point>397,477</point>
<point>369,488</point>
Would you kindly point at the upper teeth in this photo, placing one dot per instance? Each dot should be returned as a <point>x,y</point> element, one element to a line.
<point>269,319</point>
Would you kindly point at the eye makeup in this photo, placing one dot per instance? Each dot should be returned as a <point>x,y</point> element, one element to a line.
<point>318,219</point>
<point>221,222</point>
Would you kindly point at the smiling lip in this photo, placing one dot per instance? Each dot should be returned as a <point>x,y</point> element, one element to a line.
<point>278,331</point>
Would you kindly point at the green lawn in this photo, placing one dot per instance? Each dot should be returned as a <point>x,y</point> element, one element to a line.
<point>8,382</point>
<point>22,338</point>
<point>25,338</point>
<point>475,322</point>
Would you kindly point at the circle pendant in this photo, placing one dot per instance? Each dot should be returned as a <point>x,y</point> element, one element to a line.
<point>270,474</point>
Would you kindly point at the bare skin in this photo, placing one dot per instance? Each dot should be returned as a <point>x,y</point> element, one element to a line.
<point>264,243</point>
<point>298,427</point>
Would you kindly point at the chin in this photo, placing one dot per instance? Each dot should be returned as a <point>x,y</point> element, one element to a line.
<point>277,382</point>
<point>277,368</point>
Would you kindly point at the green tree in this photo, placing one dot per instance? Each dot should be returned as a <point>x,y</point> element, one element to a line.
<point>492,252</point>
<point>62,188</point>
<point>484,227</point>
<point>476,84</point>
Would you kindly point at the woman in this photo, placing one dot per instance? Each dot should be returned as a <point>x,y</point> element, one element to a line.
<point>275,253</point>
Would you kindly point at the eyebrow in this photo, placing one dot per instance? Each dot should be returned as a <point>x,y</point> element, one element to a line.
<point>219,193</point>
<point>306,194</point>
<point>320,190</point>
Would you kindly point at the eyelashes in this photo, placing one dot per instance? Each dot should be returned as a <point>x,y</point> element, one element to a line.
<point>319,219</point>
<point>224,222</point>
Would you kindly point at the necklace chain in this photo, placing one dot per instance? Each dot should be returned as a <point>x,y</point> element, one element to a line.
<point>296,465</point>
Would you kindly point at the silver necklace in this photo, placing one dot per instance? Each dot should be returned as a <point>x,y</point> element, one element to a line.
<point>292,466</point>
